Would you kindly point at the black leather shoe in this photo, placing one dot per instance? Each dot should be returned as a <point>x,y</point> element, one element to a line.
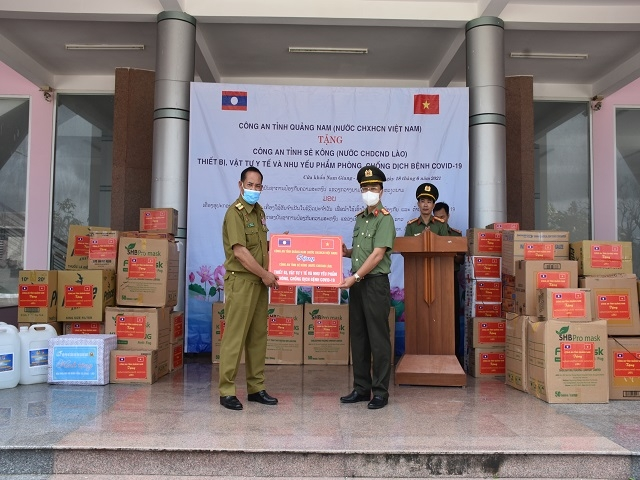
<point>354,397</point>
<point>377,402</point>
<point>262,397</point>
<point>231,402</point>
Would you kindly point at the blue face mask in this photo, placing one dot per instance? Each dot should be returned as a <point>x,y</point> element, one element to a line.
<point>251,196</point>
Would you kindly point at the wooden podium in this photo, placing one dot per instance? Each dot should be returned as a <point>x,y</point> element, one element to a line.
<point>429,306</point>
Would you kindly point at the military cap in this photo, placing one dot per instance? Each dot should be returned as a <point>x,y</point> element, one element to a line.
<point>370,174</point>
<point>427,190</point>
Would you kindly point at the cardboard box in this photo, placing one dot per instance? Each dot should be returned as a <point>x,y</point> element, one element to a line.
<point>567,304</point>
<point>159,220</point>
<point>486,332</point>
<point>177,326</point>
<point>484,241</point>
<point>284,295</point>
<point>78,246</point>
<point>484,291</point>
<point>515,351</point>
<point>504,226</point>
<point>83,328</point>
<point>217,331</point>
<point>602,258</point>
<point>534,274</point>
<point>487,362</point>
<point>131,366</point>
<point>284,335</point>
<point>164,360</point>
<point>483,309</point>
<point>546,245</point>
<point>139,328</point>
<point>147,272</point>
<point>326,334</point>
<point>624,368</point>
<point>80,359</point>
<point>176,356</point>
<point>103,250</point>
<point>37,296</point>
<point>84,294</point>
<point>479,267</point>
<point>567,362</point>
<point>325,295</point>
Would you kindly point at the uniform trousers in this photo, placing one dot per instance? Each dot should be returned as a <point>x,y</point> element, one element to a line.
<point>245,313</point>
<point>369,306</point>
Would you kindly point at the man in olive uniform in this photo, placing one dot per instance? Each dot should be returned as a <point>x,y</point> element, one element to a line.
<point>370,294</point>
<point>427,195</point>
<point>246,282</point>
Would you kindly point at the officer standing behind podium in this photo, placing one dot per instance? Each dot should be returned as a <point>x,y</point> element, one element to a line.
<point>370,293</point>
<point>427,195</point>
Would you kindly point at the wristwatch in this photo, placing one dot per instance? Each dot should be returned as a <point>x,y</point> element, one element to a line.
<point>357,277</point>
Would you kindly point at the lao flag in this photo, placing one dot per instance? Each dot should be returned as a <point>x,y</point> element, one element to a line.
<point>619,355</point>
<point>284,242</point>
<point>232,100</point>
<point>426,104</point>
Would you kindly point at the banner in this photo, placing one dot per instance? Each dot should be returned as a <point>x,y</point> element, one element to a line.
<point>309,143</point>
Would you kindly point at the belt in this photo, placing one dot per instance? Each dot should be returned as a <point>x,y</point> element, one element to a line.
<point>374,275</point>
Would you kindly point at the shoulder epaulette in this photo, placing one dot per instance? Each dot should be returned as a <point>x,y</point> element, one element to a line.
<point>437,219</point>
<point>455,230</point>
<point>384,211</point>
<point>361,212</point>
<point>413,220</point>
<point>239,206</point>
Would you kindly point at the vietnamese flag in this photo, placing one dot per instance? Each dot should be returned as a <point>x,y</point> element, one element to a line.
<point>426,104</point>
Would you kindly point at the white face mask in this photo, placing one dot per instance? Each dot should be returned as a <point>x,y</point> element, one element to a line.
<point>371,198</point>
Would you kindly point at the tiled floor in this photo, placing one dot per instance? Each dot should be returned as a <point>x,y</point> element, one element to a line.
<point>176,427</point>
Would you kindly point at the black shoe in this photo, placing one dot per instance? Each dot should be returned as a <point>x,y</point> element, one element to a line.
<point>377,402</point>
<point>354,397</point>
<point>262,397</point>
<point>231,402</point>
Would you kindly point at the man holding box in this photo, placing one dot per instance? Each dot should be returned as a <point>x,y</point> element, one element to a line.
<point>246,283</point>
<point>370,294</point>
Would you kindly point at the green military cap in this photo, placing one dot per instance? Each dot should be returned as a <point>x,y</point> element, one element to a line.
<point>370,174</point>
<point>428,190</point>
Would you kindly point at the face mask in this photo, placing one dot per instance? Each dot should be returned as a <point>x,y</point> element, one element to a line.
<point>371,198</point>
<point>250,196</point>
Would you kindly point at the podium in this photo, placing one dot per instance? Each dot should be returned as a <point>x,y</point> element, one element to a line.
<point>429,306</point>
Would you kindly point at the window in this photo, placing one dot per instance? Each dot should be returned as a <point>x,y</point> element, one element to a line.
<point>14,142</point>
<point>628,179</point>
<point>562,168</point>
<point>82,167</point>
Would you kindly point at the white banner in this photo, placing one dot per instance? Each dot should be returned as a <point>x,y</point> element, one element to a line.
<point>309,143</point>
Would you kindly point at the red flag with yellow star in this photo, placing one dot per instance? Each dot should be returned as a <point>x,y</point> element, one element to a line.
<point>426,104</point>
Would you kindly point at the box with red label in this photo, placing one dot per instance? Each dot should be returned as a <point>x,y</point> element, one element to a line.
<point>78,246</point>
<point>473,309</point>
<point>103,250</point>
<point>284,335</point>
<point>147,272</point>
<point>83,328</point>
<point>614,298</point>
<point>479,267</point>
<point>327,295</point>
<point>515,350</point>
<point>504,226</point>
<point>37,296</point>
<point>566,304</point>
<point>532,245</point>
<point>486,362</point>
<point>217,331</point>
<point>159,220</point>
<point>534,274</point>
<point>484,241</point>
<point>484,291</point>
<point>139,328</point>
<point>486,332</point>
<point>177,326</point>
<point>176,356</point>
<point>624,368</point>
<point>131,366</point>
<point>84,294</point>
<point>568,362</point>
<point>326,334</point>
<point>284,295</point>
<point>602,258</point>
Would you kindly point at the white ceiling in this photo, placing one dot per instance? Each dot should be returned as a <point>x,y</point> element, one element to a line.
<point>411,43</point>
